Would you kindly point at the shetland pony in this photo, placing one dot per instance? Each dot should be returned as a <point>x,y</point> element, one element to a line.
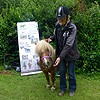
<point>47,57</point>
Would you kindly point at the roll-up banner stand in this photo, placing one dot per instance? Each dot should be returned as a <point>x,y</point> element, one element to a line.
<point>28,36</point>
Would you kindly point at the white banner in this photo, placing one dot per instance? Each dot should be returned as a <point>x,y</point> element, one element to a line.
<point>28,36</point>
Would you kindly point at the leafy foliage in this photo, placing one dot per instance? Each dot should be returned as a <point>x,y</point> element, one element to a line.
<point>87,21</point>
<point>86,16</point>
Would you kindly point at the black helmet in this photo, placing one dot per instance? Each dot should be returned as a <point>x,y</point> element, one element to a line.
<point>62,12</point>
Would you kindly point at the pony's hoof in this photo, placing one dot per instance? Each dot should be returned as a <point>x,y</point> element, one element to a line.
<point>53,88</point>
<point>48,86</point>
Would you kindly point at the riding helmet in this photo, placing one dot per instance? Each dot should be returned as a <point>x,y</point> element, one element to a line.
<point>62,12</point>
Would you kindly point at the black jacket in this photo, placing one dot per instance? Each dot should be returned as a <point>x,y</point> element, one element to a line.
<point>66,42</point>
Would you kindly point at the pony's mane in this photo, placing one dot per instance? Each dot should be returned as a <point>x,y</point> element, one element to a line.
<point>42,46</point>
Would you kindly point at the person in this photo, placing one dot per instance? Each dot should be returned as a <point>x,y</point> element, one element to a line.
<point>66,49</point>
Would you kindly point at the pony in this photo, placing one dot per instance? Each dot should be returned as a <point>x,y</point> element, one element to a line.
<point>46,54</point>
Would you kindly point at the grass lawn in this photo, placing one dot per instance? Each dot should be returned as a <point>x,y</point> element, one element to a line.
<point>16,87</point>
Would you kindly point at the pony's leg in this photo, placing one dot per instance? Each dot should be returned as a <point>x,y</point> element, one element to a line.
<point>67,71</point>
<point>46,73</point>
<point>53,79</point>
<point>47,78</point>
<point>67,74</point>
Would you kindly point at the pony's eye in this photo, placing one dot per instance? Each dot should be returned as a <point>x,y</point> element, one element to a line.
<point>48,63</point>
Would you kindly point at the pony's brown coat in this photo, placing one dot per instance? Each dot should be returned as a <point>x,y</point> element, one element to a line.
<point>40,48</point>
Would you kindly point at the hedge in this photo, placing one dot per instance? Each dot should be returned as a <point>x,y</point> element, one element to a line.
<point>86,16</point>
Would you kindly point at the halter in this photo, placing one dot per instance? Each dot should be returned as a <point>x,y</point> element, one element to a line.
<point>47,56</point>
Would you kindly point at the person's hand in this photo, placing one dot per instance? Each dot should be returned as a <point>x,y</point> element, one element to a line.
<point>57,62</point>
<point>48,40</point>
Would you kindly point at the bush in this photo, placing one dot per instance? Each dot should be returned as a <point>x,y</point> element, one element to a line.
<point>87,21</point>
<point>22,11</point>
<point>85,16</point>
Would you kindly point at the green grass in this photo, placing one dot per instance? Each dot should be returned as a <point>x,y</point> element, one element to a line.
<point>16,87</point>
